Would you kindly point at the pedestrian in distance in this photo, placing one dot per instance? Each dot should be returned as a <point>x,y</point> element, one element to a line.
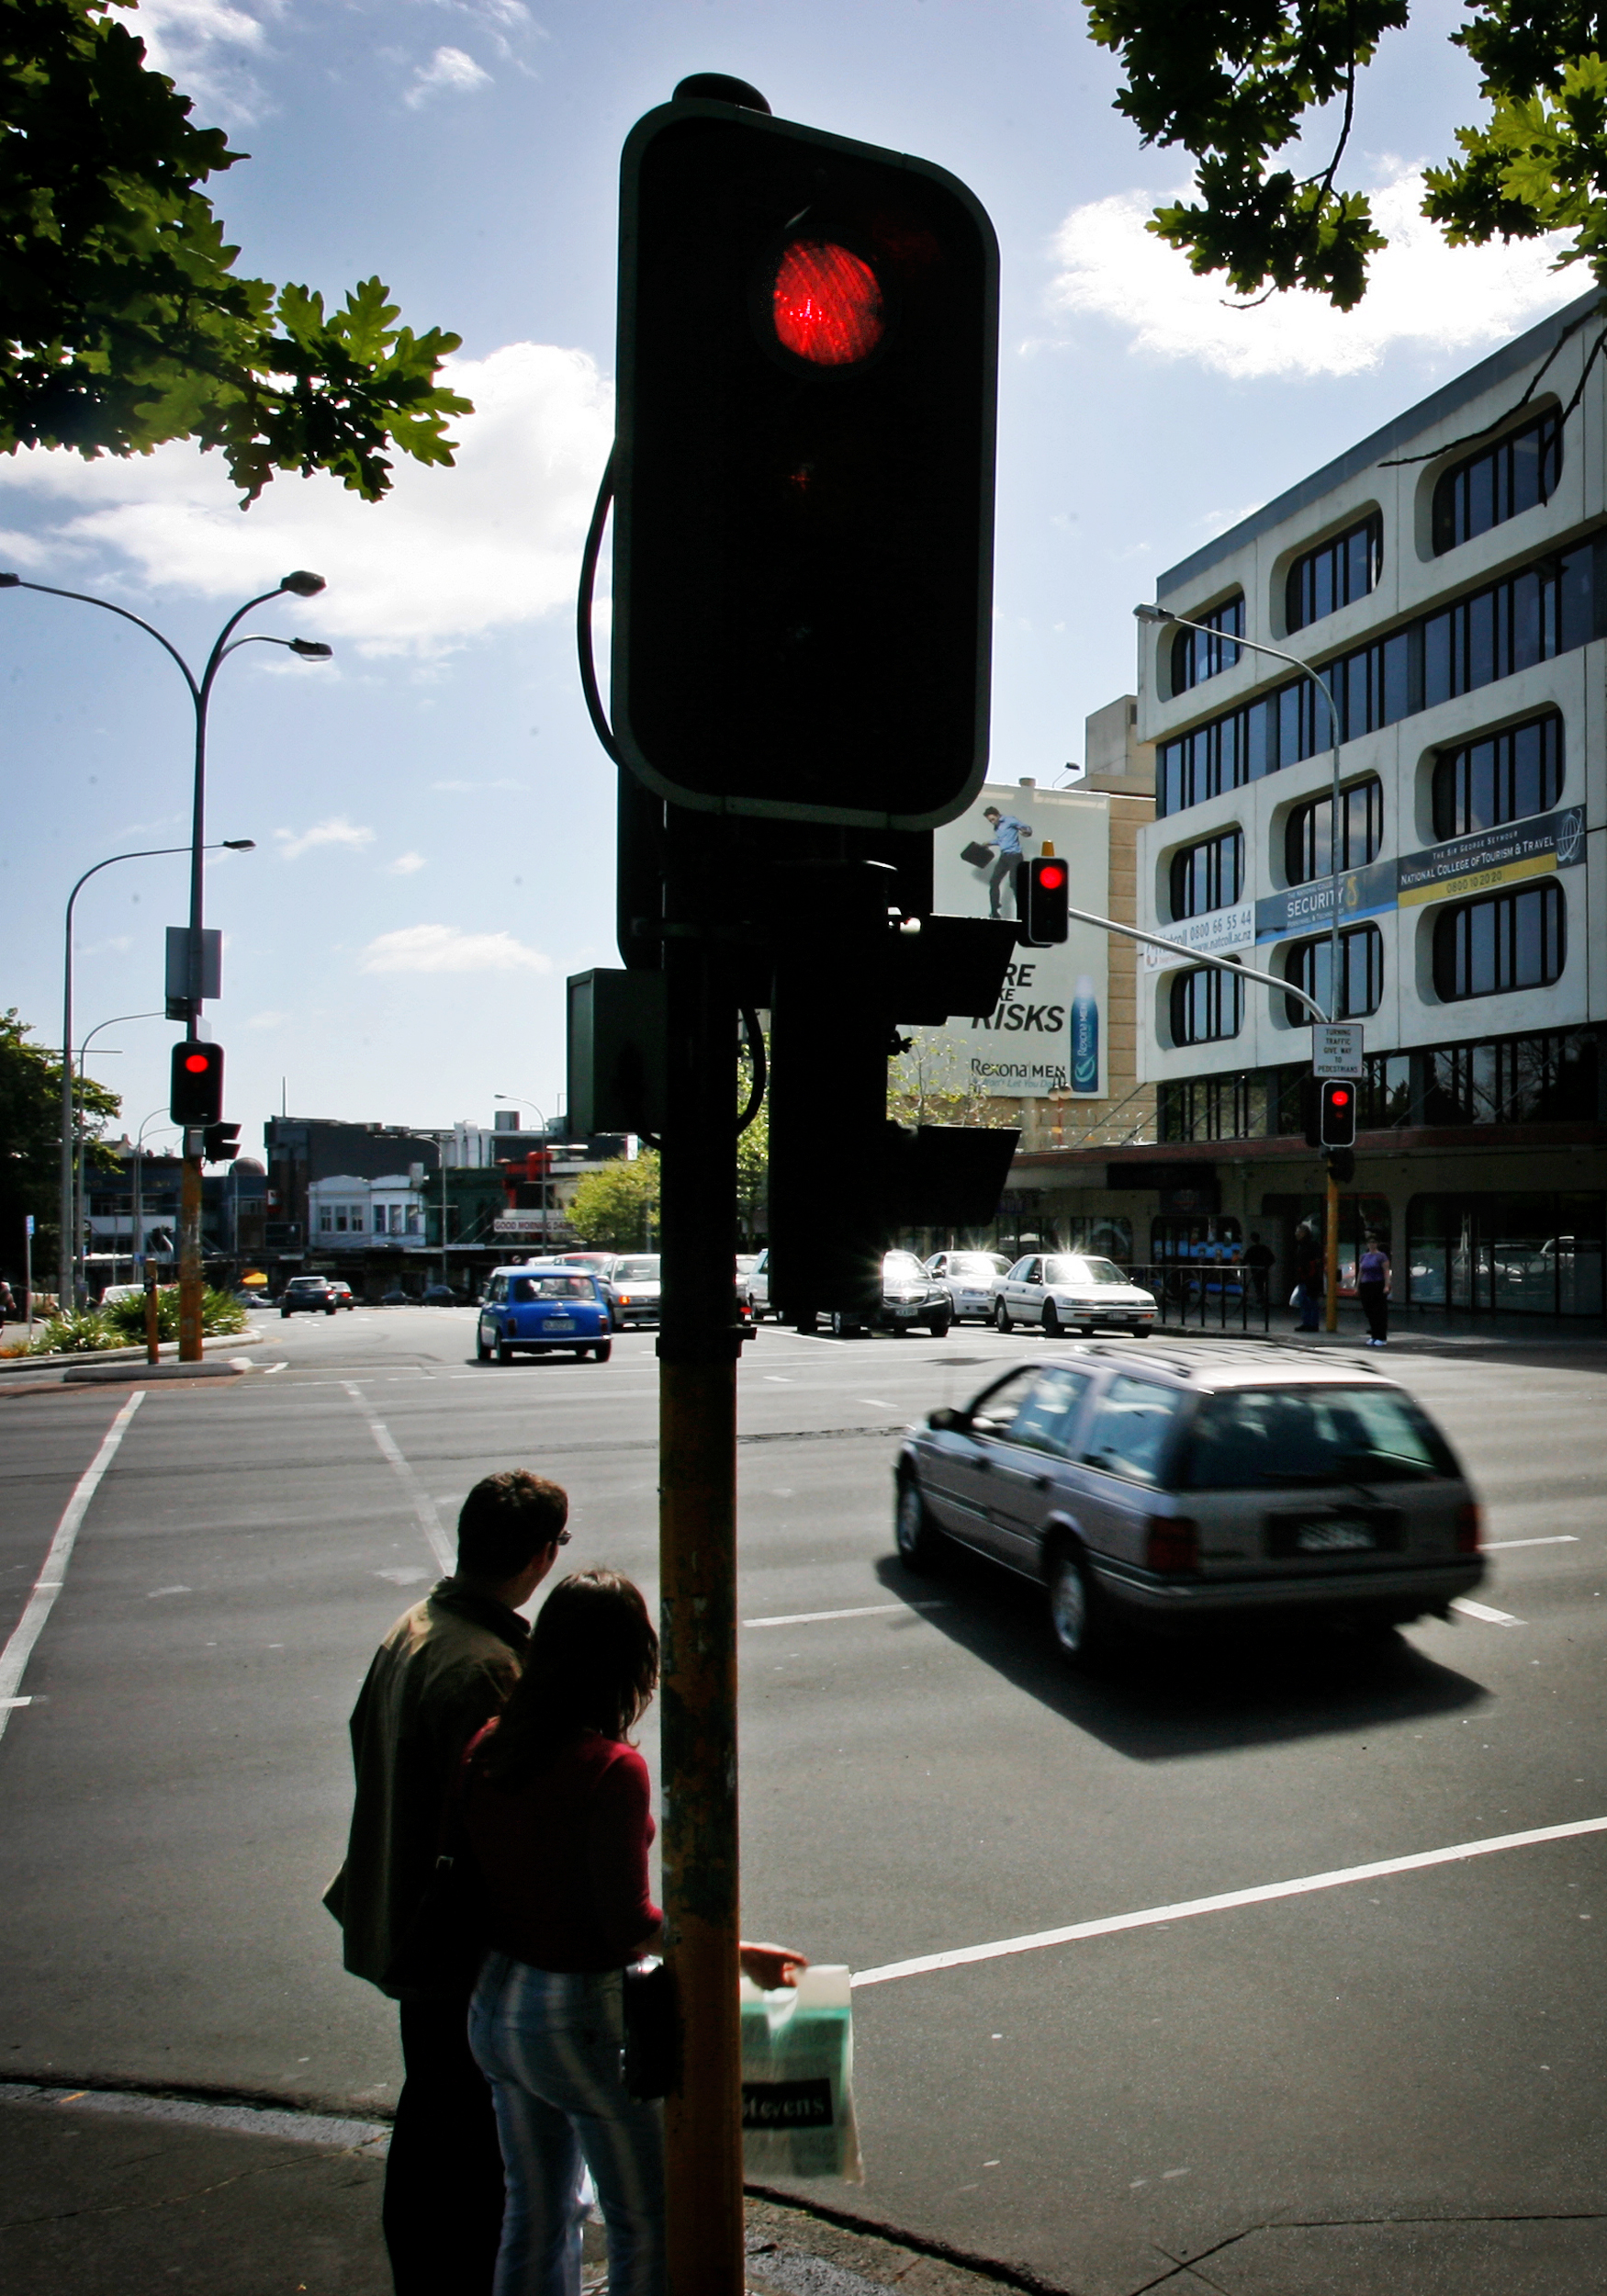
<point>1258,1259</point>
<point>1374,1275</point>
<point>445,1668</point>
<point>554,1808</point>
<point>1309,1273</point>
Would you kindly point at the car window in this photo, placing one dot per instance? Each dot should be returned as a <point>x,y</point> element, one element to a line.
<point>638,1271</point>
<point>1129,1430</point>
<point>901,1267</point>
<point>499,1290</point>
<point>1046,1416</point>
<point>993,1412</point>
<point>552,1287</point>
<point>974,1267</point>
<point>1256,1437</point>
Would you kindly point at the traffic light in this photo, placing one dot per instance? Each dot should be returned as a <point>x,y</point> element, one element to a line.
<point>804,470</point>
<point>195,1098</point>
<point>1337,1121</point>
<point>1041,888</point>
<point>221,1144</point>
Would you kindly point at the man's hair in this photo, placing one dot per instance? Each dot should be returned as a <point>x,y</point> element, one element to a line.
<point>991,812</point>
<point>506,1521</point>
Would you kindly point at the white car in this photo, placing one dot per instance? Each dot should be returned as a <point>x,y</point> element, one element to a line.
<point>1062,1291</point>
<point>755,1286</point>
<point>970,1279</point>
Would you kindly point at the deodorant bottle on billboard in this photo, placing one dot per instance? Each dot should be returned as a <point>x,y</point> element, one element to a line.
<point>1084,1037</point>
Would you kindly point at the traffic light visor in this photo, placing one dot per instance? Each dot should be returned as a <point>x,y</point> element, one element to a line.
<point>827,304</point>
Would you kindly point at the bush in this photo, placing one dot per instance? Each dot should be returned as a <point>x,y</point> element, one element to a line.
<point>123,1324</point>
<point>78,1333</point>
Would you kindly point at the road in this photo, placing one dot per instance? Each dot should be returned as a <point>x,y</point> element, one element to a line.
<point>1253,2088</point>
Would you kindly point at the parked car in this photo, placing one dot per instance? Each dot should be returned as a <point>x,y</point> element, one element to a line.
<point>1072,1290</point>
<point>632,1282</point>
<point>754,1286</point>
<point>440,1296</point>
<point>970,1279</point>
<point>309,1292</point>
<point>542,1306</point>
<point>1204,1484</point>
<point>342,1295</point>
<point>908,1297</point>
<point>398,1297</point>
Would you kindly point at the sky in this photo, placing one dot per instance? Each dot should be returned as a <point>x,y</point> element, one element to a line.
<point>433,815</point>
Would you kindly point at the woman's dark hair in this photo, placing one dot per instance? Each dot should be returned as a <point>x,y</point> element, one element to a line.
<point>592,1664</point>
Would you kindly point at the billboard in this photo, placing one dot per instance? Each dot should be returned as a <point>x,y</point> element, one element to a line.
<point>1048,1033</point>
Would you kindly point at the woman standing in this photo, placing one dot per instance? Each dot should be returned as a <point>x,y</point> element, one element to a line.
<point>555,1808</point>
<point>1373,1279</point>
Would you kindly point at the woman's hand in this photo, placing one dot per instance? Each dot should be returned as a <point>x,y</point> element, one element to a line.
<point>772,1966</point>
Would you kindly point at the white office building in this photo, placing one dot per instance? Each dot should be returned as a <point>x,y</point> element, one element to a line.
<point>1448,576</point>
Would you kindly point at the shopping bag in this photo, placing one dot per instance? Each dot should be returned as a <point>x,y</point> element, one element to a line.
<point>798,2078</point>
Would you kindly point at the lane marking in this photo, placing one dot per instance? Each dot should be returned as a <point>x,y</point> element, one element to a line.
<point>1557,1539</point>
<point>1482,1611</point>
<point>269,1368</point>
<point>47,1585</point>
<point>1152,1915</point>
<point>422,1504</point>
<point>866,1609</point>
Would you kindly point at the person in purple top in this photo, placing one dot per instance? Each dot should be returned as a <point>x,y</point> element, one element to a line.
<point>1373,1276</point>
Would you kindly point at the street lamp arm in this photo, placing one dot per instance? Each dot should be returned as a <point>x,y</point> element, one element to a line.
<point>1253,645</point>
<point>221,646</point>
<point>1197,956</point>
<point>87,598</point>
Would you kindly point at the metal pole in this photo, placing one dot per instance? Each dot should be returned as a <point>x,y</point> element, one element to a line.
<point>698,1347</point>
<point>1340,1004</point>
<point>28,1276</point>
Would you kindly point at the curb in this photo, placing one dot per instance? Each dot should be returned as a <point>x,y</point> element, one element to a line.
<point>17,1366</point>
<point>97,1374</point>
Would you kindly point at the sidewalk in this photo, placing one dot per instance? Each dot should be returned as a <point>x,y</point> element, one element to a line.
<point>1418,1329</point>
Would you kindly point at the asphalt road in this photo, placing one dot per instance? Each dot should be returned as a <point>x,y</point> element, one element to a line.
<point>1253,2089</point>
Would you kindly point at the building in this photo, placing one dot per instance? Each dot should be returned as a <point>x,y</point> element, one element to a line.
<point>1448,576</point>
<point>233,1207</point>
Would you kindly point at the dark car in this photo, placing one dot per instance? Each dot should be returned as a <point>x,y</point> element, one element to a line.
<point>342,1295</point>
<point>909,1296</point>
<point>440,1296</point>
<point>314,1293</point>
<point>398,1297</point>
<point>1204,1484</point>
<point>541,1307</point>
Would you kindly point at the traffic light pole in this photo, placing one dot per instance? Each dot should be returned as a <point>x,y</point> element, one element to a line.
<point>698,1347</point>
<point>189,1252</point>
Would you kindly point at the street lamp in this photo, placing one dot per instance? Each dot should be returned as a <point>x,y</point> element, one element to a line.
<point>65,1262</point>
<point>1336,997</point>
<point>80,1215</point>
<point>136,1204</point>
<point>300,584</point>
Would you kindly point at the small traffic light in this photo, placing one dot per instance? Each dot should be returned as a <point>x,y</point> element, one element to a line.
<point>804,470</point>
<point>1041,888</point>
<point>195,1098</point>
<point>221,1144</point>
<point>1337,1121</point>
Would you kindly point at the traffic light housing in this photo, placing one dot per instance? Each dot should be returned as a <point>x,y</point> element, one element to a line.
<point>803,471</point>
<point>221,1144</point>
<point>195,1097</point>
<point>1043,889</point>
<point>1337,1113</point>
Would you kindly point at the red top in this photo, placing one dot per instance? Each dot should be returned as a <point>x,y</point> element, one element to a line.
<point>564,1856</point>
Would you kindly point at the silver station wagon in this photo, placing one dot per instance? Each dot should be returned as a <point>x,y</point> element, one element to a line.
<point>1202,1484</point>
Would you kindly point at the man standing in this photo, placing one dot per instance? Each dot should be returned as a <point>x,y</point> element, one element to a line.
<point>1006,834</point>
<point>445,1667</point>
<point>1258,1259</point>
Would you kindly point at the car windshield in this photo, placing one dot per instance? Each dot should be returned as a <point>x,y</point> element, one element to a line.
<point>549,1287</point>
<point>643,1271</point>
<point>1293,1435</point>
<point>308,1283</point>
<point>1081,1270</point>
<point>976,1266</point>
<point>903,1268</point>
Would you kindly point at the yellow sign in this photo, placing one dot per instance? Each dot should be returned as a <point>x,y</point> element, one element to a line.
<point>1479,881</point>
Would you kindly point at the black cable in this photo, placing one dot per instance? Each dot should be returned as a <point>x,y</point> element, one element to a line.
<point>589,558</point>
<point>761,1072</point>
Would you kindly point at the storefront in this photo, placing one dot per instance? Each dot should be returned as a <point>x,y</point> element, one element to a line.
<point>1535,1253</point>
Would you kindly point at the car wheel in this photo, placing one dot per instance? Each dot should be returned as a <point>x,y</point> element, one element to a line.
<point>331,1309</point>
<point>939,1326</point>
<point>1071,1610</point>
<point>284,1315</point>
<point>1139,1331</point>
<point>482,1347</point>
<point>601,1353</point>
<point>504,1353</point>
<point>1051,1320</point>
<point>917,1536</point>
<point>1001,1316</point>
<point>843,1326</point>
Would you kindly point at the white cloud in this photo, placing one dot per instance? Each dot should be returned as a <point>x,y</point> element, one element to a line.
<point>268,1020</point>
<point>336,830</point>
<point>447,556</point>
<point>450,71</point>
<point>445,949</point>
<point>1423,292</point>
<point>204,46</point>
<point>406,864</point>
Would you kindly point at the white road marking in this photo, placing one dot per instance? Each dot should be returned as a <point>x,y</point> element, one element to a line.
<point>423,1505</point>
<point>1153,1916</point>
<point>1483,1612</point>
<point>16,1702</point>
<point>47,1585</point>
<point>877,1402</point>
<point>269,1368</point>
<point>867,1610</point>
<point>1557,1539</point>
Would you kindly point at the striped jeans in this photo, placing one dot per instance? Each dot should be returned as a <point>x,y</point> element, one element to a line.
<point>549,2044</point>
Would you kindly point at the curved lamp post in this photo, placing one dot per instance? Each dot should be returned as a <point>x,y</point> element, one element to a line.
<point>299,584</point>
<point>80,1213</point>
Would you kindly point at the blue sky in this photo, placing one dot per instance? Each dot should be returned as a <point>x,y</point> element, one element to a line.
<point>435,820</point>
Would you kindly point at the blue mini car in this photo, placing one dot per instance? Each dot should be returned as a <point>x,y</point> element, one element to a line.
<point>541,1307</point>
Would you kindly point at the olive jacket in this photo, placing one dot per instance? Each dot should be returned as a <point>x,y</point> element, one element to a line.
<point>445,1667</point>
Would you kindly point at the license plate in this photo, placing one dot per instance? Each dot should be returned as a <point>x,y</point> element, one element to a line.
<point>1334,1534</point>
<point>559,1324</point>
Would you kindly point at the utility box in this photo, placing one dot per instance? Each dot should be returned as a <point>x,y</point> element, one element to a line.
<point>618,1023</point>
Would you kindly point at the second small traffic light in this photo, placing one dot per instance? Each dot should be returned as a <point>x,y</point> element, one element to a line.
<point>195,1098</point>
<point>221,1144</point>
<point>1337,1118</point>
<point>1041,888</point>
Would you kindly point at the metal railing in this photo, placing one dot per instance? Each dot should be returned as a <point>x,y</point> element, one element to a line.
<point>1207,1295</point>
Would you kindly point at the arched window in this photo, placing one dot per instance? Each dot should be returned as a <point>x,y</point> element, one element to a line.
<point>1504,777</point>
<point>1485,488</point>
<point>1196,656</point>
<point>1344,568</point>
<point>1360,831</point>
<point>1309,967</point>
<point>1206,1005</point>
<point>1208,875</point>
<point>1503,940</point>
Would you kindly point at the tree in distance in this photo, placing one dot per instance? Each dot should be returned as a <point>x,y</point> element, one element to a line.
<point>30,1142</point>
<point>929,1085</point>
<point>1233,81</point>
<point>616,1207</point>
<point>123,324</point>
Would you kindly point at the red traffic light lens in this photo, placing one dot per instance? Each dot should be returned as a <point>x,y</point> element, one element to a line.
<point>1339,1098</point>
<point>197,1064</point>
<point>1051,876</point>
<point>827,304</point>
